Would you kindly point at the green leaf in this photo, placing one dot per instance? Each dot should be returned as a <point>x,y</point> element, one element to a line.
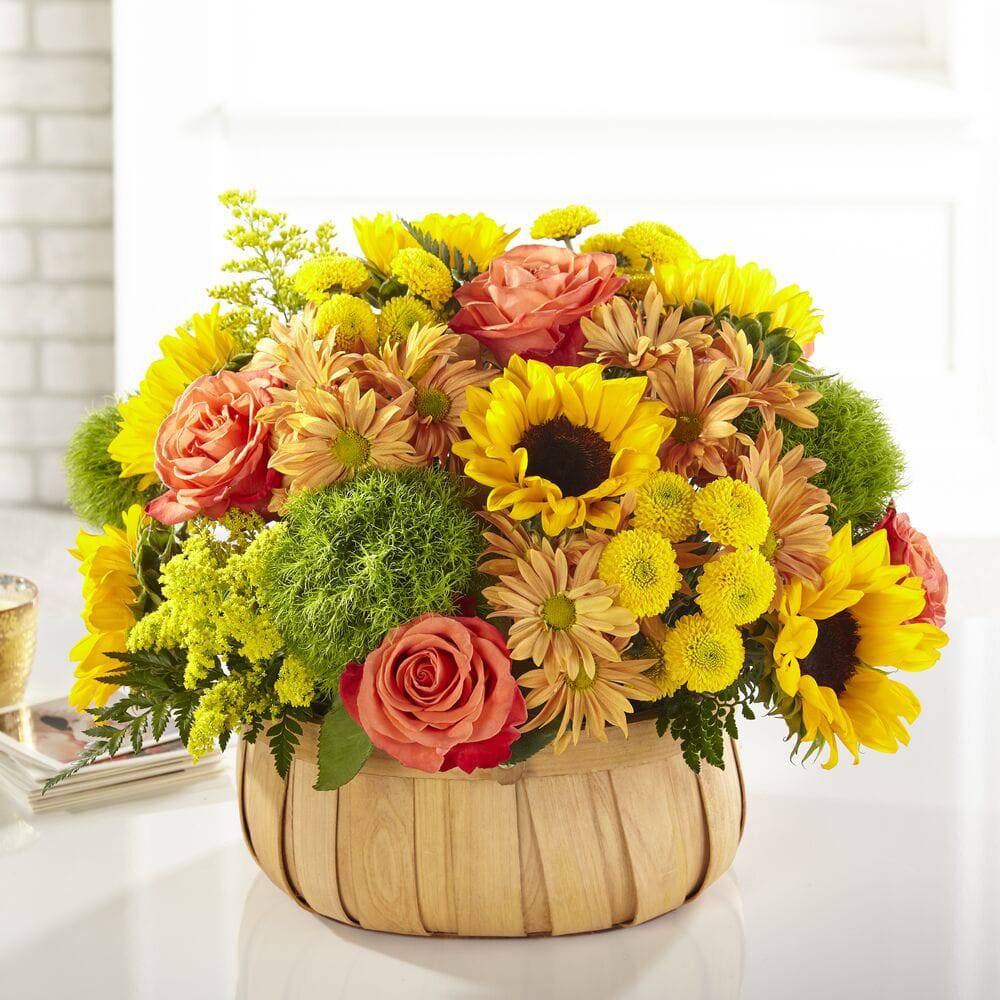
<point>528,744</point>
<point>343,749</point>
<point>282,739</point>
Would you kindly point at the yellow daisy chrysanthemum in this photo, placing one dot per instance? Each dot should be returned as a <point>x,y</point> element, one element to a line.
<point>203,349</point>
<point>627,254</point>
<point>381,238</point>
<point>353,319</point>
<point>318,278</point>
<point>562,443</point>
<point>399,315</point>
<point>732,513</point>
<point>424,275</point>
<point>110,588</point>
<point>744,290</point>
<point>658,243</point>
<point>477,238</point>
<point>665,504</point>
<point>586,702</point>
<point>563,223</point>
<point>830,638</point>
<point>643,566</point>
<point>736,587</point>
<point>703,654</point>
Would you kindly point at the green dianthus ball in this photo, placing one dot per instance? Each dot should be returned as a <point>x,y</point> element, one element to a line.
<point>95,489</point>
<point>364,557</point>
<point>865,467</point>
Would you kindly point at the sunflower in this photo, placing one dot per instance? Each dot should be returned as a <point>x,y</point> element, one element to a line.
<point>335,434</point>
<point>640,340</point>
<point>110,589</point>
<point>590,701</point>
<point>744,290</point>
<point>561,442</point>
<point>799,536</point>
<point>200,348</point>
<point>693,396</point>
<point>832,637</point>
<point>561,616</point>
<point>477,238</point>
<point>381,239</point>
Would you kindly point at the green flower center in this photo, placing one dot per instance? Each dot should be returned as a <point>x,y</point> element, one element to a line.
<point>559,612</point>
<point>688,428</point>
<point>432,403</point>
<point>643,572</point>
<point>770,545</point>
<point>574,458</point>
<point>351,449</point>
<point>582,682</point>
<point>832,662</point>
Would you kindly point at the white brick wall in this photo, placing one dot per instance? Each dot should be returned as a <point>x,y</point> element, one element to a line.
<point>56,294</point>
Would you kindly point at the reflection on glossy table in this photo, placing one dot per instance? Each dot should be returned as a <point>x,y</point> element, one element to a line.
<point>879,881</point>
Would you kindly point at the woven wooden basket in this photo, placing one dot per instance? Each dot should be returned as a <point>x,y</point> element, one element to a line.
<point>604,835</point>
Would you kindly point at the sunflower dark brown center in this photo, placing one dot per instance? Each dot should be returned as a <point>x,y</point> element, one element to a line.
<point>575,458</point>
<point>688,428</point>
<point>832,661</point>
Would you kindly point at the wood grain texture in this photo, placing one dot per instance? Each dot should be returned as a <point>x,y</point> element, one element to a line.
<point>604,835</point>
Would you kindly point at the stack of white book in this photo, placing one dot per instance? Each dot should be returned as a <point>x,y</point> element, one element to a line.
<point>38,741</point>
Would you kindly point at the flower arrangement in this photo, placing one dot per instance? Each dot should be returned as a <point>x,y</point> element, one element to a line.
<point>461,500</point>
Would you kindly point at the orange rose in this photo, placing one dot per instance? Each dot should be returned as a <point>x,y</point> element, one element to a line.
<point>909,547</point>
<point>531,299</point>
<point>211,453</point>
<point>438,693</point>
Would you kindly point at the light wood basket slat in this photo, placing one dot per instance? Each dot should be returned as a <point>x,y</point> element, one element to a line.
<point>604,835</point>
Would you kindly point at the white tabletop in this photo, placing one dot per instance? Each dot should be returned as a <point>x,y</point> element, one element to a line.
<point>880,881</point>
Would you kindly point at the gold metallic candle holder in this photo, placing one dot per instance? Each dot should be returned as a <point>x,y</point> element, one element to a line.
<point>18,635</point>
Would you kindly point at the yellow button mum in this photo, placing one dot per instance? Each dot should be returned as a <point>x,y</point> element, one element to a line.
<point>643,565</point>
<point>353,320</point>
<point>665,504</point>
<point>562,443</point>
<point>424,275</point>
<point>703,654</point>
<point>563,223</point>
<point>732,513</point>
<point>736,587</point>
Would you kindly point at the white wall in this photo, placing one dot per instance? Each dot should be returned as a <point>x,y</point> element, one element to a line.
<point>56,308</point>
